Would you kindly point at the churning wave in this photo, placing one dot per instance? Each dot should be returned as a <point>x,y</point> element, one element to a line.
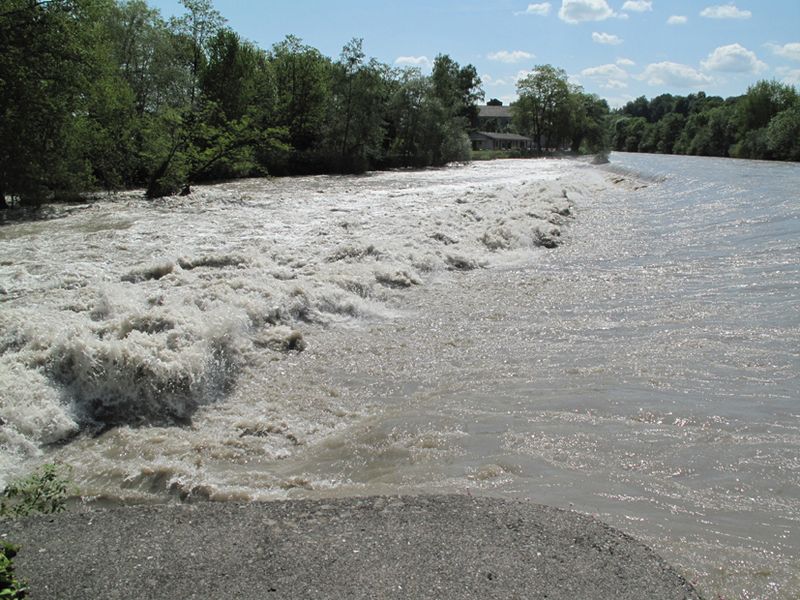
<point>135,313</point>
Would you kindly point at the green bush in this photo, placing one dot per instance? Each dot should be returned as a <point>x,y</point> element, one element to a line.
<point>10,587</point>
<point>43,491</point>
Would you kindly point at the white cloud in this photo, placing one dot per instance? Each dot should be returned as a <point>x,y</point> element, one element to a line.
<point>674,74</point>
<point>487,79</point>
<point>606,38</point>
<point>790,51</point>
<point>413,61</point>
<point>608,76</point>
<point>733,58</point>
<point>677,20</point>
<point>638,5</point>
<point>542,9</point>
<point>625,62</point>
<point>514,56</point>
<point>618,101</point>
<point>790,76</point>
<point>725,11</point>
<point>577,11</point>
<point>610,70</point>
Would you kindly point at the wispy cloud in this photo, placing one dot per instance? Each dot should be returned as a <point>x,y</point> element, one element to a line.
<point>607,39</point>
<point>677,20</point>
<point>790,76</point>
<point>725,11</point>
<point>609,76</point>
<point>513,56</point>
<point>625,62</point>
<point>578,11</point>
<point>413,61</point>
<point>674,74</point>
<point>487,79</point>
<point>790,51</point>
<point>734,58</point>
<point>638,5</point>
<point>542,9</point>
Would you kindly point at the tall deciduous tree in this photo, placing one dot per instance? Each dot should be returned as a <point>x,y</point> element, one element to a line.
<point>47,64</point>
<point>356,121</point>
<point>302,80</point>
<point>542,105</point>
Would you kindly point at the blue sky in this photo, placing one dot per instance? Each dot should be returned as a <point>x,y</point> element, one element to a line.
<point>618,49</point>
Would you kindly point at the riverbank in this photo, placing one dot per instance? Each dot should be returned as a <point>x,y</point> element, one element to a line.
<point>378,547</point>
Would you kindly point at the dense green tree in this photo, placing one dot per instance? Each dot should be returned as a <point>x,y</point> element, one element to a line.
<point>356,121</point>
<point>48,63</point>
<point>147,56</point>
<point>637,108</point>
<point>230,76</point>
<point>405,117</point>
<point>762,102</point>
<point>669,131</point>
<point>660,106</point>
<point>542,111</point>
<point>754,111</point>
<point>457,88</point>
<point>303,81</point>
<point>783,134</point>
<point>588,122</point>
<point>195,29</point>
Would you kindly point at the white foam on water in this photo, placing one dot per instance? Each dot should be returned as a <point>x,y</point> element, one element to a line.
<point>140,314</point>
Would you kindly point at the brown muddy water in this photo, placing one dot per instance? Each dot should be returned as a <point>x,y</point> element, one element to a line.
<point>622,341</point>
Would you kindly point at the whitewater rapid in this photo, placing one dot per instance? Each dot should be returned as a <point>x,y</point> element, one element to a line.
<point>621,341</point>
<point>178,319</point>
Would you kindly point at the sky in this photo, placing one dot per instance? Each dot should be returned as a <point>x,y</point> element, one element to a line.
<point>618,49</point>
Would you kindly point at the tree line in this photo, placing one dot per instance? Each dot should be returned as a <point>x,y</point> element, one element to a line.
<point>764,123</point>
<point>106,94</point>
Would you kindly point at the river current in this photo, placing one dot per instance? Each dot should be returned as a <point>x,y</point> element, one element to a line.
<point>623,341</point>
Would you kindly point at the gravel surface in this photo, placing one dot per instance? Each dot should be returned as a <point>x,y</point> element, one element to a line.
<point>378,547</point>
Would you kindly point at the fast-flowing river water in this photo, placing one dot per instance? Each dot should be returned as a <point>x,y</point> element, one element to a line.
<point>620,340</point>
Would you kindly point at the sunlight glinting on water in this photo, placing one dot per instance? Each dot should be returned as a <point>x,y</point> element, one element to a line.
<point>621,341</point>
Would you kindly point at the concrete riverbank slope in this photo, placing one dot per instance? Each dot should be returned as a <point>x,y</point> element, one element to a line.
<point>377,547</point>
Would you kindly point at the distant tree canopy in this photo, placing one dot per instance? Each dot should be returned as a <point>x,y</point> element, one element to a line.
<point>764,123</point>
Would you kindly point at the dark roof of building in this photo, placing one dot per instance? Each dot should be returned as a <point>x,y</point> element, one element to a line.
<point>494,112</point>
<point>502,137</point>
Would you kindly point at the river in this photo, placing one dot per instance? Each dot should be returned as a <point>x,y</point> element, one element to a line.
<point>621,340</point>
